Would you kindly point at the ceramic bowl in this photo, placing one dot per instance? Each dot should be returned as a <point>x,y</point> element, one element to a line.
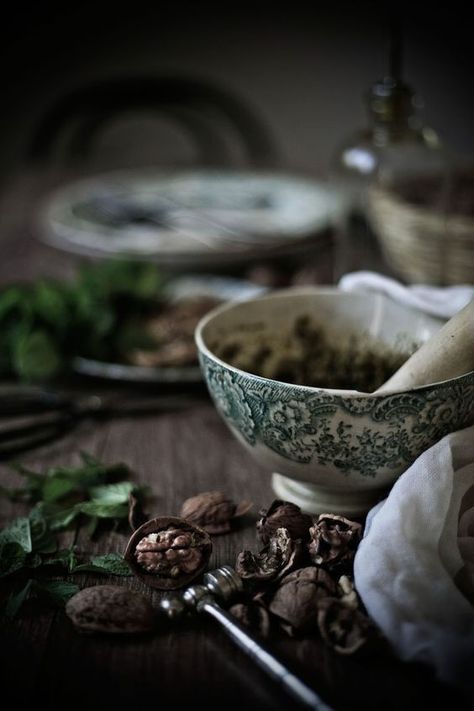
<point>328,449</point>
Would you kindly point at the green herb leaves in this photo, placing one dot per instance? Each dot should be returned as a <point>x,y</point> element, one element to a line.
<point>111,563</point>
<point>112,493</point>
<point>60,483</point>
<point>89,494</point>
<point>18,532</point>
<point>43,325</point>
<point>55,592</point>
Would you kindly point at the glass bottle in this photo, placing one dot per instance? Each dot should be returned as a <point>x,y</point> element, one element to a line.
<point>394,142</point>
<point>395,147</point>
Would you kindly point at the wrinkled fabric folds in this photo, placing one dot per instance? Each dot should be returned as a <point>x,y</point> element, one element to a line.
<point>443,301</point>
<point>414,568</point>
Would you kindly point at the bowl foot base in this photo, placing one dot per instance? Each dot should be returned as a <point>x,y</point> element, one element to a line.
<point>316,499</point>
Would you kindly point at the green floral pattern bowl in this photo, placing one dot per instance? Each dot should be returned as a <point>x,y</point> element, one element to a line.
<point>337,450</point>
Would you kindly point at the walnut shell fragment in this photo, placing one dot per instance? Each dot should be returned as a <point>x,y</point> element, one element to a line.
<point>136,515</point>
<point>275,560</point>
<point>342,627</point>
<point>253,616</point>
<point>168,552</point>
<point>213,510</point>
<point>298,596</point>
<point>112,609</point>
<point>283,514</point>
<point>334,540</point>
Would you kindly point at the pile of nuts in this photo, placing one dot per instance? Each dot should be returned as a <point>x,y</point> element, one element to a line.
<point>301,581</point>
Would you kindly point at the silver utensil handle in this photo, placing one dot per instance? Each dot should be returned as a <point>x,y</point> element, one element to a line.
<point>293,686</point>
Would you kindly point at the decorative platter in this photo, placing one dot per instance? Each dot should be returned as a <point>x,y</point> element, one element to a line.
<point>188,219</point>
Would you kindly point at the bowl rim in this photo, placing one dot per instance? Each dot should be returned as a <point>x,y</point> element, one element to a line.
<point>301,291</point>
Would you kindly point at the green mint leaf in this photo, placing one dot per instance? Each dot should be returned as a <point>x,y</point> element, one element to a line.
<point>112,493</point>
<point>15,601</point>
<point>43,540</point>
<point>12,558</point>
<point>90,474</point>
<point>57,487</point>
<point>63,483</point>
<point>65,558</point>
<point>111,563</point>
<point>36,356</point>
<point>56,516</point>
<point>32,489</point>
<point>51,303</point>
<point>11,300</point>
<point>56,592</point>
<point>18,532</point>
<point>102,510</point>
<point>59,517</point>
<point>89,459</point>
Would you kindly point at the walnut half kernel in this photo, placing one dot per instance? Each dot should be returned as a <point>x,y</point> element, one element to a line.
<point>168,552</point>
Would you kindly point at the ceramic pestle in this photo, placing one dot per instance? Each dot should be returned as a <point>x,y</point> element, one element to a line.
<point>448,354</point>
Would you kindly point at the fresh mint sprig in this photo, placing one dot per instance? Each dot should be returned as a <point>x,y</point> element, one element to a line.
<point>29,554</point>
<point>43,325</point>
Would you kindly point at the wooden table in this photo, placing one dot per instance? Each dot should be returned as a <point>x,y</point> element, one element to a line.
<point>178,454</point>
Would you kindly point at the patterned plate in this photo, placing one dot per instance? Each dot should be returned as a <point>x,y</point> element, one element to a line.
<point>188,219</point>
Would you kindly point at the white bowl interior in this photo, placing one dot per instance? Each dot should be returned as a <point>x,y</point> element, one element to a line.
<point>339,313</point>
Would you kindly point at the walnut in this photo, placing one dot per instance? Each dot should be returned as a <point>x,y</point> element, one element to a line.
<point>252,615</point>
<point>110,608</point>
<point>168,552</point>
<point>298,596</point>
<point>274,561</point>
<point>344,628</point>
<point>213,510</point>
<point>283,514</point>
<point>334,540</point>
<point>347,592</point>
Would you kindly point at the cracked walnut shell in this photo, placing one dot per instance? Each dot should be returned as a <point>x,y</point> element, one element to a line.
<point>283,514</point>
<point>168,552</point>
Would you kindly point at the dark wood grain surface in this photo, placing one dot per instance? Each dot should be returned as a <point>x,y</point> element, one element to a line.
<point>182,665</point>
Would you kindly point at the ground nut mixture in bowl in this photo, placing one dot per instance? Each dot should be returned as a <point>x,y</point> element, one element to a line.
<point>293,373</point>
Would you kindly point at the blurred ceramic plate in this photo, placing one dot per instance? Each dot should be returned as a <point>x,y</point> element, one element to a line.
<point>188,219</point>
<point>180,288</point>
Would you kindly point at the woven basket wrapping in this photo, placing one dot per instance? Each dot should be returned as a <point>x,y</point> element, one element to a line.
<point>420,244</point>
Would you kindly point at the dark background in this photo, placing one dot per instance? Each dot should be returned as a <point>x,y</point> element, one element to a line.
<point>301,67</point>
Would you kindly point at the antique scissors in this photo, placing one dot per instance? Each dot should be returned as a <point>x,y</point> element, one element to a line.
<point>31,416</point>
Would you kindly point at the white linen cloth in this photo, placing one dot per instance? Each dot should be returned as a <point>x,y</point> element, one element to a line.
<point>415,544</point>
<point>414,568</point>
<point>437,301</point>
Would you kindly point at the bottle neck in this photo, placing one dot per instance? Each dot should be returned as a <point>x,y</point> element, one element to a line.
<point>391,109</point>
<point>385,133</point>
